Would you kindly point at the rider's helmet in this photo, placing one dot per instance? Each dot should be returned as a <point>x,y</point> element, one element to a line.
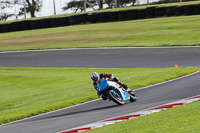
<point>95,76</point>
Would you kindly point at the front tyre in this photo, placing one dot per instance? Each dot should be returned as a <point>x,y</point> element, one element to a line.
<point>133,98</point>
<point>115,97</point>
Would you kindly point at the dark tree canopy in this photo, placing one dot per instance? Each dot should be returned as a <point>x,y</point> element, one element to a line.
<point>3,5</point>
<point>31,6</point>
<point>76,5</point>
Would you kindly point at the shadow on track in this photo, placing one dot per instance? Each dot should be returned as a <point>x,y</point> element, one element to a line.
<point>64,113</point>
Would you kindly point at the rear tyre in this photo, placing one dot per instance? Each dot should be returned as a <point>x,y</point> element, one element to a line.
<point>115,97</point>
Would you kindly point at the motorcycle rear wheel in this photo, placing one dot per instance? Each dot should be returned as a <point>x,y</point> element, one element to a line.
<point>115,98</point>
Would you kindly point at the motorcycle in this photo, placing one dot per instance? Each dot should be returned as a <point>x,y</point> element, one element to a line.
<point>115,92</point>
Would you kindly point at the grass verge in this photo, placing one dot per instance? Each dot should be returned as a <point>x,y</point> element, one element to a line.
<point>182,119</point>
<point>171,31</point>
<point>26,92</point>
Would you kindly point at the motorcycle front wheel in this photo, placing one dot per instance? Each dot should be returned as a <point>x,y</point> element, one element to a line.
<point>115,97</point>
<point>133,98</point>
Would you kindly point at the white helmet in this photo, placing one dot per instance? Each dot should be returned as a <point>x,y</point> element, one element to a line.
<point>94,76</point>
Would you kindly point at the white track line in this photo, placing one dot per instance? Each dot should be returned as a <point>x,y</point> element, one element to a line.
<point>132,115</point>
<point>170,80</point>
<point>68,49</point>
<point>49,112</point>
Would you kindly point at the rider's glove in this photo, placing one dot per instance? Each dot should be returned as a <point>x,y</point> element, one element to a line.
<point>125,86</point>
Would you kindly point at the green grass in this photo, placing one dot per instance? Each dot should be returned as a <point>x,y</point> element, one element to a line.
<point>29,91</point>
<point>171,31</point>
<point>182,119</point>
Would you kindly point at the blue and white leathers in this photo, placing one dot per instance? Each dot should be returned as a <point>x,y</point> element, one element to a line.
<point>109,86</point>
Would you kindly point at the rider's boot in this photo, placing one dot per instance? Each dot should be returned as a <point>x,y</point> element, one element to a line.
<point>104,98</point>
<point>128,89</point>
<point>123,85</point>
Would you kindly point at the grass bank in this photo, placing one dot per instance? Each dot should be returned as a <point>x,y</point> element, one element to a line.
<point>29,91</point>
<point>172,31</point>
<point>182,119</point>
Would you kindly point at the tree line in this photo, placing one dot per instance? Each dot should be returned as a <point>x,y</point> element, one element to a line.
<point>27,6</point>
<point>33,6</point>
<point>79,5</point>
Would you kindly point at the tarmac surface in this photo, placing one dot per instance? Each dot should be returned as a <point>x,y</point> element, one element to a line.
<point>105,58</point>
<point>157,57</point>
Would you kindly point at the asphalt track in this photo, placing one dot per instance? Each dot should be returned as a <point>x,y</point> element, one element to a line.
<point>105,58</point>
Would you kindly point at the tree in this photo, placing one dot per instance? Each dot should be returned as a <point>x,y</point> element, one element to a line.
<point>120,3</point>
<point>123,3</point>
<point>78,5</point>
<point>5,4</point>
<point>74,5</point>
<point>110,3</point>
<point>28,6</point>
<point>31,6</point>
<point>101,2</point>
<point>5,16</point>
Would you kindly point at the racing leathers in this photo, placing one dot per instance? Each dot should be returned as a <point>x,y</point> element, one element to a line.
<point>109,77</point>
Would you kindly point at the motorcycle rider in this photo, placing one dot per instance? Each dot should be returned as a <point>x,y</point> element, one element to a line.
<point>98,78</point>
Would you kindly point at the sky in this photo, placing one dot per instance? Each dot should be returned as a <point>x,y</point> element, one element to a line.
<point>48,8</point>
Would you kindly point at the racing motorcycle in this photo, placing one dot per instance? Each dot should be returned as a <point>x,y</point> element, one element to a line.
<point>115,92</point>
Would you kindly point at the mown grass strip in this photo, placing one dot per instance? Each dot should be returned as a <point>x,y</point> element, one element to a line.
<point>182,119</point>
<point>29,91</point>
<point>172,31</point>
